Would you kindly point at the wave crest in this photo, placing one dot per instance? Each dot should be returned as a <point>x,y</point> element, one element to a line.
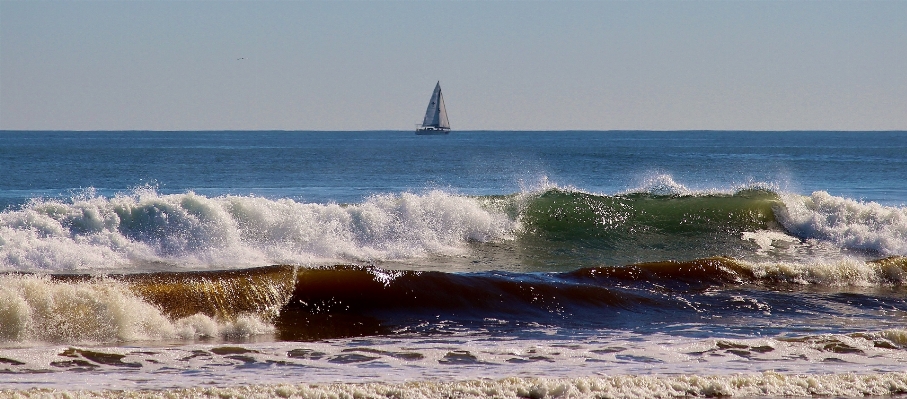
<point>41,309</point>
<point>661,185</point>
<point>191,230</point>
<point>850,224</point>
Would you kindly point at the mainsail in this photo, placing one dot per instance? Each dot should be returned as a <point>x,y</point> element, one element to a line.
<point>436,114</point>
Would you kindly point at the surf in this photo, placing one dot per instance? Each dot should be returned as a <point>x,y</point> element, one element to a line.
<point>300,304</point>
<point>546,229</point>
<point>71,308</point>
<point>145,230</point>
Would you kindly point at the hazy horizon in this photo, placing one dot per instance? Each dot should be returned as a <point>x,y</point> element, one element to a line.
<point>453,131</point>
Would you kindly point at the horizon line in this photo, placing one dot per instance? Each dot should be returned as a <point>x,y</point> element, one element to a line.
<point>453,131</point>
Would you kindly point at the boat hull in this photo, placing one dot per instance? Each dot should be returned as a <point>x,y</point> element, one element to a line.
<point>426,132</point>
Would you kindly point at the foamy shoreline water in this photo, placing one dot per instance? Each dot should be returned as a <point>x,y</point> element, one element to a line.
<point>768,384</point>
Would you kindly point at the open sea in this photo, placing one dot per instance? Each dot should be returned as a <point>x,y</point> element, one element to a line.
<point>478,264</point>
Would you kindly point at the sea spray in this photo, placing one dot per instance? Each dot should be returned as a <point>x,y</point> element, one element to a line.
<point>559,228</point>
<point>850,224</point>
<point>191,231</point>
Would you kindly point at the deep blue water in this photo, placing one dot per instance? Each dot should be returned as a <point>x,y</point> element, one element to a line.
<point>346,167</point>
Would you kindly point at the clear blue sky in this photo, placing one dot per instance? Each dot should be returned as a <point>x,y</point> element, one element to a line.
<point>503,65</point>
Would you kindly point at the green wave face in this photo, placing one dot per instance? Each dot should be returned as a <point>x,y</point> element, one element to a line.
<point>592,229</point>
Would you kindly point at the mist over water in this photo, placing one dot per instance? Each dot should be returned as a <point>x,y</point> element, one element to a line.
<point>334,256</point>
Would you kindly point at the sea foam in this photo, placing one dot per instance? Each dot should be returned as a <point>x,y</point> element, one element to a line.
<point>768,384</point>
<point>660,184</point>
<point>194,231</point>
<point>850,224</point>
<point>35,308</point>
<point>839,273</point>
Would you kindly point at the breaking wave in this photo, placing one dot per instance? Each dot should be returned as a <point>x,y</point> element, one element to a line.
<point>341,301</point>
<point>847,223</point>
<point>662,220</point>
<point>140,307</point>
<point>193,231</point>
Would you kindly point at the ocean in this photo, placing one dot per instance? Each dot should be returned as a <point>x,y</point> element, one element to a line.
<point>476,264</point>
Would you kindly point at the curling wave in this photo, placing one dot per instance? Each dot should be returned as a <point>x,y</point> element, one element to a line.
<point>553,229</point>
<point>341,301</point>
<point>196,232</point>
<point>150,306</point>
<point>847,223</point>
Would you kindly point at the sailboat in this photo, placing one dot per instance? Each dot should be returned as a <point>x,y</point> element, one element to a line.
<point>435,121</point>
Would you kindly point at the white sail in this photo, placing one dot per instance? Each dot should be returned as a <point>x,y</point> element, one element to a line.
<point>435,121</point>
<point>442,111</point>
<point>433,113</point>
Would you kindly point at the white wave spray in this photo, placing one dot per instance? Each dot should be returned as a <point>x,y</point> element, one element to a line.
<point>194,231</point>
<point>35,308</point>
<point>850,224</point>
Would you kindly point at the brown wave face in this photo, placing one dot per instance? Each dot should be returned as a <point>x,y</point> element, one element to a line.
<point>347,301</point>
<point>223,294</point>
<point>709,271</point>
<point>357,301</point>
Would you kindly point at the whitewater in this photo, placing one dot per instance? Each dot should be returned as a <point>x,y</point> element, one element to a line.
<point>143,229</point>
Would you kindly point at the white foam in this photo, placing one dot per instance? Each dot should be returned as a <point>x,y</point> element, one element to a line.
<point>194,231</point>
<point>768,240</point>
<point>394,361</point>
<point>540,185</point>
<point>660,184</point>
<point>847,223</point>
<point>767,384</point>
<point>839,272</point>
<point>897,337</point>
<point>37,309</point>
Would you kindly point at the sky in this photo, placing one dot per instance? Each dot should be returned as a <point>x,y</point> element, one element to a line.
<point>595,65</point>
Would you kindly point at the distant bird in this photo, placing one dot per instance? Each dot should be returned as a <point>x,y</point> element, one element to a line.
<point>242,58</point>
